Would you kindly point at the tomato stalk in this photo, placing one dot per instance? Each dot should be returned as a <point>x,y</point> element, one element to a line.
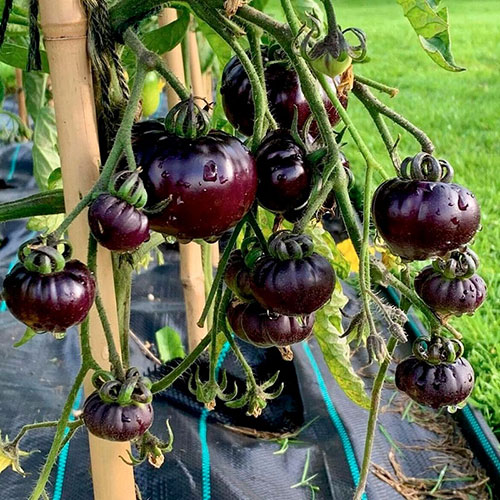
<point>392,91</point>
<point>363,93</point>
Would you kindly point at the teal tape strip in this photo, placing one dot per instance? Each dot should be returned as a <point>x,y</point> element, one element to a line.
<point>206,486</point>
<point>335,418</point>
<point>13,163</point>
<point>63,456</point>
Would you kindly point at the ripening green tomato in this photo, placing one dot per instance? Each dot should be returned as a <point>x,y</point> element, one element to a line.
<point>330,66</point>
<point>151,92</point>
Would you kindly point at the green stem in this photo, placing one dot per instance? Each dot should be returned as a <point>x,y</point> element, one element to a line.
<point>392,91</point>
<point>378,385</point>
<point>123,291</point>
<point>154,62</point>
<point>291,16</point>
<point>208,273</point>
<point>155,240</point>
<point>29,427</point>
<point>220,271</point>
<point>169,379</point>
<point>46,203</point>
<point>185,62</point>
<point>331,92</point>
<point>214,331</point>
<point>114,357</point>
<point>363,92</point>
<point>219,24</point>
<point>59,436</point>
<point>72,428</point>
<point>330,16</point>
<point>257,230</point>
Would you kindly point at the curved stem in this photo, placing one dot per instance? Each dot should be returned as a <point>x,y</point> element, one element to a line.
<point>360,143</point>
<point>155,240</point>
<point>29,427</point>
<point>252,221</point>
<point>114,357</point>
<point>378,385</point>
<point>123,291</point>
<point>291,16</point>
<point>169,379</point>
<point>59,436</point>
<point>364,93</point>
<point>392,91</point>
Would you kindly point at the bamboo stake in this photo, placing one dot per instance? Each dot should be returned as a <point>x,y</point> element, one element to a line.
<point>64,27</point>
<point>202,87</point>
<point>191,271</point>
<point>21,97</point>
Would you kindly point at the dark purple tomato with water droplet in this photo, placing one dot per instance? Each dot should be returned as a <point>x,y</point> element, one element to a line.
<point>116,224</point>
<point>114,422</point>
<point>50,302</point>
<point>422,219</point>
<point>450,295</point>
<point>284,95</point>
<point>209,182</point>
<point>444,384</point>
<point>285,180</point>
<point>253,324</point>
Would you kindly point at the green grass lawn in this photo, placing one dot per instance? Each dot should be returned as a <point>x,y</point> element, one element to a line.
<point>461,114</point>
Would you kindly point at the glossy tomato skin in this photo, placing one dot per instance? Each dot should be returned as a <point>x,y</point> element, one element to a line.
<point>113,422</point>
<point>293,287</point>
<point>445,384</point>
<point>116,224</point>
<point>237,276</point>
<point>211,182</point>
<point>450,296</point>
<point>50,302</point>
<point>422,219</point>
<point>285,180</point>
<point>253,324</point>
<point>283,91</point>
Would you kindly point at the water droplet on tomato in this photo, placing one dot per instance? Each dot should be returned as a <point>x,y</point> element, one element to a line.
<point>210,171</point>
<point>281,177</point>
<point>223,179</point>
<point>183,184</point>
<point>455,221</point>
<point>452,409</point>
<point>462,204</point>
<point>438,212</point>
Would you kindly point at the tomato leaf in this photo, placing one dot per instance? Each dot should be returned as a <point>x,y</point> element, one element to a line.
<point>169,344</point>
<point>35,85</point>
<point>28,335</point>
<point>45,223</point>
<point>336,350</point>
<point>431,25</point>
<point>167,37</point>
<point>45,153</point>
<point>14,50</point>
<point>219,46</point>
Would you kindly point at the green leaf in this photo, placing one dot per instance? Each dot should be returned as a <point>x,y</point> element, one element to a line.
<point>55,180</point>
<point>28,335</point>
<point>169,344</point>
<point>45,223</point>
<point>167,37</point>
<point>431,25</point>
<point>336,350</point>
<point>14,50</point>
<point>324,244</point>
<point>35,84</point>
<point>2,92</point>
<point>220,48</point>
<point>45,153</point>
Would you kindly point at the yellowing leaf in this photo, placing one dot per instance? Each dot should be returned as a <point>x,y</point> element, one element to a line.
<point>347,250</point>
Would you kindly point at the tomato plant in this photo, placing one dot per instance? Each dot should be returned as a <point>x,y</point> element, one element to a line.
<point>268,153</point>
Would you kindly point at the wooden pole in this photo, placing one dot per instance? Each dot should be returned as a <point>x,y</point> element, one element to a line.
<point>191,271</point>
<point>21,97</point>
<point>64,27</point>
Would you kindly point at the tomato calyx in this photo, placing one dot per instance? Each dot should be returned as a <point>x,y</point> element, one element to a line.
<point>41,255</point>
<point>436,350</point>
<point>128,186</point>
<point>460,264</point>
<point>133,390</point>
<point>332,54</point>
<point>284,245</point>
<point>424,167</point>
<point>188,120</point>
<point>207,392</point>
